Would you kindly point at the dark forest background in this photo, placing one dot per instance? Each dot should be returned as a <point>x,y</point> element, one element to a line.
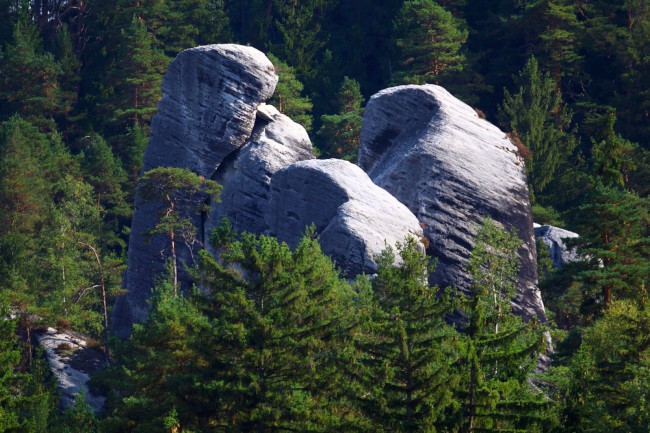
<point>569,81</point>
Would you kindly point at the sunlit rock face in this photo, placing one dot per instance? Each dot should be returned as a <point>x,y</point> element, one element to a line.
<point>451,169</point>
<point>354,219</point>
<point>212,120</point>
<point>275,143</point>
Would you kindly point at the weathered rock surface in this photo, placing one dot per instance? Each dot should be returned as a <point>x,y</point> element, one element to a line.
<point>210,96</point>
<point>354,218</point>
<point>276,142</point>
<point>207,112</point>
<point>451,169</point>
<point>71,362</point>
<point>554,238</point>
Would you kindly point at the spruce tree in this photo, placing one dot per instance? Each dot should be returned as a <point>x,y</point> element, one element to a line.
<point>615,243</point>
<point>604,387</point>
<point>541,120</point>
<point>301,38</point>
<point>340,133</point>
<point>407,353</point>
<point>279,322</point>
<point>287,97</point>
<point>137,77</point>
<point>559,45</point>
<point>29,81</point>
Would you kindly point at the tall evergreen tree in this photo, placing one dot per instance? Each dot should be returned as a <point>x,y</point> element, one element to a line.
<point>181,192</point>
<point>559,46</point>
<point>604,387</point>
<point>340,133</point>
<point>541,120</point>
<point>135,78</point>
<point>280,318</point>
<point>288,97</point>
<point>614,240</point>
<point>301,38</point>
<point>29,80</point>
<point>407,354</point>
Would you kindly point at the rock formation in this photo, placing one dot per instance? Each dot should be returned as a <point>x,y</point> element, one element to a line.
<point>554,238</point>
<point>71,362</point>
<point>451,169</point>
<point>212,120</point>
<point>208,110</point>
<point>354,218</point>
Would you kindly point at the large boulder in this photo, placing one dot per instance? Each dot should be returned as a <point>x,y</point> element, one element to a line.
<point>451,169</point>
<point>354,218</point>
<point>555,239</point>
<point>210,97</point>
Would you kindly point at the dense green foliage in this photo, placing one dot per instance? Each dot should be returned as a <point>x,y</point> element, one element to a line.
<point>568,81</point>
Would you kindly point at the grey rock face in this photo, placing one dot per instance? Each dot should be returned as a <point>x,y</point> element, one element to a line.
<point>554,238</point>
<point>451,169</point>
<point>276,142</point>
<point>207,112</point>
<point>354,218</point>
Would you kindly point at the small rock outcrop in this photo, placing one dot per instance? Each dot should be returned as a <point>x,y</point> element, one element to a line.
<point>71,363</point>
<point>554,238</point>
<point>451,169</point>
<point>354,218</point>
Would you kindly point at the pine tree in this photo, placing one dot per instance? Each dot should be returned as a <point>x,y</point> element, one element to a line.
<point>279,324</point>
<point>181,192</point>
<point>541,120</point>
<point>29,80</point>
<point>139,70</point>
<point>612,157</point>
<point>163,371</point>
<point>340,133</point>
<point>558,49</point>
<point>604,387</point>
<point>107,176</point>
<point>614,240</point>
<point>299,26</point>
<point>430,42</point>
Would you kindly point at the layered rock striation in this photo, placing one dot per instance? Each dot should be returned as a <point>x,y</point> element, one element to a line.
<point>451,169</point>
<point>275,143</point>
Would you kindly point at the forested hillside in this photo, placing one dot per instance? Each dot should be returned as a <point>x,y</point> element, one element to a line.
<point>300,349</point>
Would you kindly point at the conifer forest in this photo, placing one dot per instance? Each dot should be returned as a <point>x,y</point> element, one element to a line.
<point>273,338</point>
